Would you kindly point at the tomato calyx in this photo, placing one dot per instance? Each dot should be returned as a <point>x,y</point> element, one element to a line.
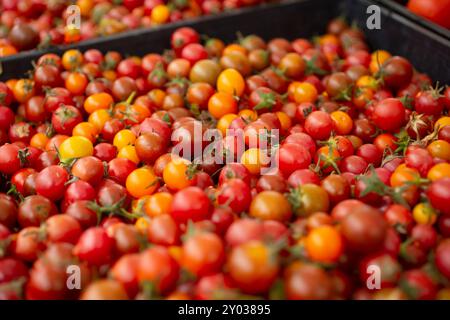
<point>149,290</point>
<point>403,142</point>
<point>268,100</point>
<point>16,286</point>
<point>12,191</point>
<point>374,184</point>
<point>294,197</point>
<point>115,209</point>
<point>311,67</point>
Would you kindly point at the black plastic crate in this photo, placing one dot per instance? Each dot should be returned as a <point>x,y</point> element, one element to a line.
<point>427,50</point>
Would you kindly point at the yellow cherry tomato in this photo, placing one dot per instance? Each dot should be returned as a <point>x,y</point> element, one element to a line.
<point>98,118</point>
<point>285,121</point>
<point>439,171</point>
<point>342,122</point>
<point>423,213</point>
<point>72,59</point>
<point>160,14</point>
<point>442,122</point>
<point>98,101</point>
<point>224,122</point>
<point>248,115</point>
<point>124,138</point>
<point>142,182</point>
<point>39,140</point>
<point>377,59</point>
<point>176,175</point>
<point>231,81</point>
<point>304,92</point>
<point>158,204</point>
<point>75,147</point>
<point>439,149</point>
<point>85,129</point>
<point>141,224</point>
<point>253,159</point>
<point>129,152</point>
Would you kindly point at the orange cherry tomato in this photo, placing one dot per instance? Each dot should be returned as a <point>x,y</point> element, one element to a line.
<point>76,83</point>
<point>324,244</point>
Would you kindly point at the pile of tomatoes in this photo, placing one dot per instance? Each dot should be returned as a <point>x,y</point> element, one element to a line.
<point>355,208</point>
<point>29,24</point>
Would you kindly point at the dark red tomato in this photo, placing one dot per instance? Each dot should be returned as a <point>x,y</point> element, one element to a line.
<point>389,266</point>
<point>19,178</point>
<point>128,68</point>
<point>419,159</point>
<point>439,195</point>
<point>399,218</point>
<point>119,169</point>
<point>370,153</point>
<point>425,235</point>
<point>9,162</point>
<point>7,117</point>
<point>55,97</point>
<point>396,72</point>
<point>319,125</point>
<point>363,229</point>
<point>46,159</point>
<point>353,164</point>
<point>271,182</point>
<point>389,114</point>
<point>110,129</point>
<point>110,193</point>
<point>182,37</point>
<point>364,129</point>
<point>95,247</point>
<point>65,118</point>
<point>13,274</point>
<point>47,75</point>
<point>442,258</point>
<point>63,228</point>
<point>190,204</point>
<point>234,170</point>
<point>303,110</point>
<point>264,99</point>
<point>34,210</point>
<point>337,187</point>
<point>6,96</point>
<point>203,254</point>
<point>152,125</point>
<point>21,132</point>
<point>105,151</point>
<point>78,190</point>
<point>307,282</point>
<point>222,218</point>
<point>428,102</point>
<point>302,139</point>
<point>194,52</point>
<point>418,285</point>
<point>50,182</point>
<point>126,236</point>
<point>235,194</point>
<point>8,211</point>
<point>291,157</point>
<point>80,210</point>
<point>303,176</point>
